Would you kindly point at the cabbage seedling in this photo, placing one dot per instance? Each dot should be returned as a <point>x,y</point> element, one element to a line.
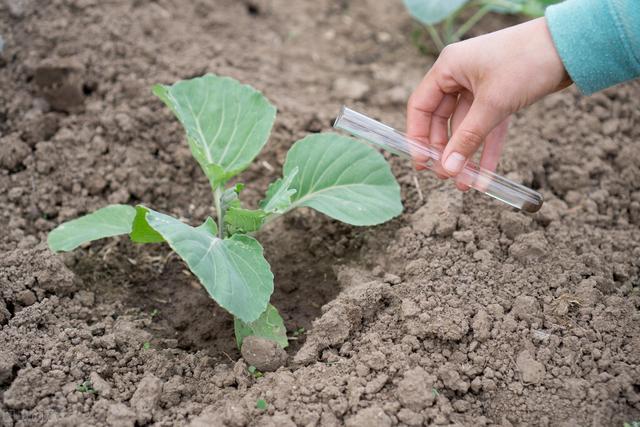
<point>227,124</point>
<point>439,16</point>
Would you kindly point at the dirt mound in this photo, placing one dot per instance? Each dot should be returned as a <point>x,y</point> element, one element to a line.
<point>458,312</point>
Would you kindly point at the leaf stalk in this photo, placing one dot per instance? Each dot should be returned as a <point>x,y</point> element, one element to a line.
<point>217,199</point>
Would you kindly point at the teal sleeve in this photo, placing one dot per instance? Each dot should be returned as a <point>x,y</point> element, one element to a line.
<point>597,40</point>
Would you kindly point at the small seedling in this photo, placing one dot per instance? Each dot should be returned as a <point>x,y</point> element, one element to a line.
<point>298,332</point>
<point>255,373</point>
<point>632,424</point>
<point>227,124</point>
<point>261,404</point>
<point>86,387</point>
<point>146,345</point>
<point>154,313</point>
<point>439,17</point>
<point>435,392</point>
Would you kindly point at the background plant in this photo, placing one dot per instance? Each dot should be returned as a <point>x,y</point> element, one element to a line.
<point>441,17</point>
<point>227,124</point>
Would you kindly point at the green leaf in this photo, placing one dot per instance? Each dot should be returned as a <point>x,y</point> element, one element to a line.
<point>240,220</point>
<point>536,8</point>
<point>109,221</point>
<point>261,404</point>
<point>531,8</point>
<point>215,174</point>
<point>227,123</point>
<point>342,178</point>
<point>210,226</point>
<point>141,232</point>
<point>430,12</point>
<point>278,197</point>
<point>230,197</point>
<point>269,325</point>
<point>233,271</point>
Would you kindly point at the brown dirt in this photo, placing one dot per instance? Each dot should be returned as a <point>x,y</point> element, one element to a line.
<point>481,317</point>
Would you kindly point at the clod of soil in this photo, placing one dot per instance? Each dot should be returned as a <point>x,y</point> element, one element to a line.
<point>264,354</point>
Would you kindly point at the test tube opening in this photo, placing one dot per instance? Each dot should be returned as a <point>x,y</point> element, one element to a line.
<point>339,117</point>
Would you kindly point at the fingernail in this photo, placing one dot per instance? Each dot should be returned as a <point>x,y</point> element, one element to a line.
<point>454,163</point>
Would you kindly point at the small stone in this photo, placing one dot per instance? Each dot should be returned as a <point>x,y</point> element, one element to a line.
<point>119,415</point>
<point>415,391</point>
<point>526,308</point>
<point>369,417</point>
<point>146,397</point>
<point>264,354</point>
<point>531,370</point>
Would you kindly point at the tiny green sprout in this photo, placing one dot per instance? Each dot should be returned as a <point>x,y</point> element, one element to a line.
<point>86,387</point>
<point>227,124</point>
<point>298,332</point>
<point>154,313</point>
<point>632,424</point>
<point>261,404</point>
<point>435,392</point>
<point>255,372</point>
<point>146,345</point>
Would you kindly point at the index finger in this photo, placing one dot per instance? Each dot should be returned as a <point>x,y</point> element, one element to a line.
<point>422,104</point>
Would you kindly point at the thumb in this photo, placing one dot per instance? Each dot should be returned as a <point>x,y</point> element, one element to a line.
<point>471,133</point>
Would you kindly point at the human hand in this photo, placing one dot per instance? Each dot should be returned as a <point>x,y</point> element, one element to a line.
<point>475,85</point>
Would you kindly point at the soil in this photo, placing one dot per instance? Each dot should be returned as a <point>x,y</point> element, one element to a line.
<point>459,312</point>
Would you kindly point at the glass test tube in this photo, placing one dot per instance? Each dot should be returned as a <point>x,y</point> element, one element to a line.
<point>472,175</point>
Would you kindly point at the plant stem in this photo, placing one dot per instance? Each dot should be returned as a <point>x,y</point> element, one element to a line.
<point>433,32</point>
<point>217,196</point>
<point>448,27</point>
<point>462,30</point>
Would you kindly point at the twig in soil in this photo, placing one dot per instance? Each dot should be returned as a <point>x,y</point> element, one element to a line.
<point>267,166</point>
<point>166,261</point>
<point>108,248</point>
<point>417,184</point>
<point>229,357</point>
